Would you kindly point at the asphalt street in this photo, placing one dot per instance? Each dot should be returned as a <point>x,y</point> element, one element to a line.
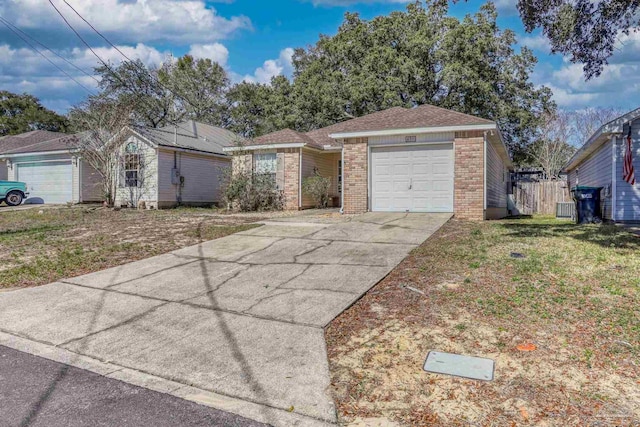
<point>39,392</point>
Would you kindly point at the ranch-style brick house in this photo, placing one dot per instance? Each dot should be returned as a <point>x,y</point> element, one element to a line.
<point>422,159</point>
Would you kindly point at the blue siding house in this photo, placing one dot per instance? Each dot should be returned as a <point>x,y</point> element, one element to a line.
<point>599,164</point>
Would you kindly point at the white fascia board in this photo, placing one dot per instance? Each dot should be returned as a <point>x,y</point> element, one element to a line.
<point>331,148</point>
<point>36,153</point>
<point>412,131</point>
<point>599,138</point>
<point>264,147</point>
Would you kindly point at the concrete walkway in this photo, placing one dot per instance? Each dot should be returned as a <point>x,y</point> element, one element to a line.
<point>235,323</point>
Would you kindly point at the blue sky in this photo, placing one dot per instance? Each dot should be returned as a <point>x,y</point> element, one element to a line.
<point>253,39</point>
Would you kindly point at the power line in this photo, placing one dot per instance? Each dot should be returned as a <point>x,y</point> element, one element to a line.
<point>157,81</point>
<point>107,65</point>
<point>50,50</point>
<point>83,40</point>
<point>6,24</point>
<point>97,32</point>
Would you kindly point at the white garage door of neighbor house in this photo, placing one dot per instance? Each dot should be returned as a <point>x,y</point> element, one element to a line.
<point>412,178</point>
<point>49,182</point>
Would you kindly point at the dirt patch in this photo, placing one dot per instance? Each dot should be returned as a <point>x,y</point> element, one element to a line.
<point>41,246</point>
<point>564,297</point>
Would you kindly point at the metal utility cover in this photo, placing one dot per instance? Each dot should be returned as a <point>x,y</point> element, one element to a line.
<point>476,368</point>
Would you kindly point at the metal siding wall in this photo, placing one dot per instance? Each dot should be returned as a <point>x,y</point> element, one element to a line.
<point>203,175</point>
<point>595,171</point>
<point>628,197</point>
<point>150,190</point>
<point>166,190</point>
<point>496,179</point>
<point>91,184</point>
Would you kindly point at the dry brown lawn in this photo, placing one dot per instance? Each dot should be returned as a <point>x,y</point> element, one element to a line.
<point>575,296</point>
<point>39,246</point>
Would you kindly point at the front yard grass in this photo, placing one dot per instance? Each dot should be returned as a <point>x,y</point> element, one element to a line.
<point>42,246</point>
<point>575,294</point>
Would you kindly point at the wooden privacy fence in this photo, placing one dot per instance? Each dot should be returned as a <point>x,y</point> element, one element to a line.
<point>539,197</point>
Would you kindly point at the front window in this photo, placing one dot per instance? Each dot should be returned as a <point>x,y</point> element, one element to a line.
<point>131,170</point>
<point>266,164</point>
<point>131,165</point>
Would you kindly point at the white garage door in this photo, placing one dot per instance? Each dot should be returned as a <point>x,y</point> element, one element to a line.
<point>412,178</point>
<point>49,182</point>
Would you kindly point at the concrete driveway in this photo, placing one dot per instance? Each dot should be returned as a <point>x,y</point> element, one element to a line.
<point>235,323</point>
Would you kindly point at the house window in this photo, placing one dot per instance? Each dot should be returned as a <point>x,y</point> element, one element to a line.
<point>339,176</point>
<point>131,170</point>
<point>266,164</point>
<point>131,166</point>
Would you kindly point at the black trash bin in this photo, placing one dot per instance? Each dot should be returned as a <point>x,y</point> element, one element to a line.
<point>588,210</point>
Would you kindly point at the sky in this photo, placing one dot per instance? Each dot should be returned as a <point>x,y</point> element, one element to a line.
<point>252,39</point>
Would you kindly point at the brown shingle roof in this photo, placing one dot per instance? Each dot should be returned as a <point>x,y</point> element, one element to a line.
<point>284,136</point>
<point>423,116</point>
<point>37,141</point>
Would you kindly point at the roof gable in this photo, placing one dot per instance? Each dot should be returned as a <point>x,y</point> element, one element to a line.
<point>284,136</point>
<point>37,141</point>
<point>614,127</point>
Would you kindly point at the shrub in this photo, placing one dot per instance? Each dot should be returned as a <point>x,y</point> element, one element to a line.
<point>317,187</point>
<point>249,192</point>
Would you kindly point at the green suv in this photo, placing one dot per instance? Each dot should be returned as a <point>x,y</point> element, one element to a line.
<point>13,192</point>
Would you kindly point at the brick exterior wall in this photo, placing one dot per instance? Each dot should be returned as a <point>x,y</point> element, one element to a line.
<point>242,162</point>
<point>469,176</point>
<point>355,171</point>
<point>291,177</point>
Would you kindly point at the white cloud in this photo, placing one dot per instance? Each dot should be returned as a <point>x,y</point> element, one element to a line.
<point>538,42</point>
<point>23,70</point>
<point>149,55</point>
<point>272,68</point>
<point>216,52</point>
<point>178,21</point>
<point>507,7</point>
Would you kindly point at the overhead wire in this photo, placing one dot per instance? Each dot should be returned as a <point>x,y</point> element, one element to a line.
<point>6,24</point>
<point>106,65</point>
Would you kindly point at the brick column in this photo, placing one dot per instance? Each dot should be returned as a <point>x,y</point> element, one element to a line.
<point>354,172</point>
<point>469,177</point>
<point>291,178</point>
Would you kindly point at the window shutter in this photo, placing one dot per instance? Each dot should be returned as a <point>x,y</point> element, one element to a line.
<point>280,171</point>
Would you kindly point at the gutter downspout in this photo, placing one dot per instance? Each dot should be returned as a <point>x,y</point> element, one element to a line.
<point>300,180</point>
<point>342,180</point>
<point>614,175</point>
<point>485,174</point>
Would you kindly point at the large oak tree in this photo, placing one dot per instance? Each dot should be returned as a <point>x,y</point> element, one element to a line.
<point>24,113</point>
<point>405,59</point>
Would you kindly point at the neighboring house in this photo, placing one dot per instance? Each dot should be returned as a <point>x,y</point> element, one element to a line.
<point>599,163</point>
<point>174,165</point>
<point>423,159</point>
<point>4,172</point>
<point>47,163</point>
